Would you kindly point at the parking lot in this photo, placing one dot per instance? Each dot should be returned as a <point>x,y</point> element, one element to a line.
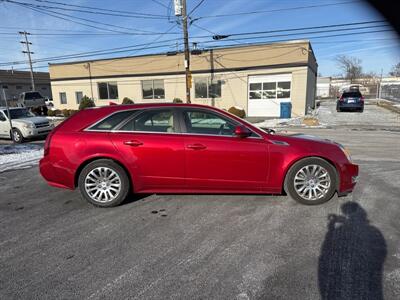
<point>54,245</point>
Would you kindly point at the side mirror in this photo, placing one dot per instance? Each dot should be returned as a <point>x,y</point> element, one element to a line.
<point>2,118</point>
<point>242,132</point>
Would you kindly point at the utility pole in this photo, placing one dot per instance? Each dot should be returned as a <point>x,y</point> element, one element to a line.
<point>380,85</point>
<point>187,53</point>
<point>27,43</point>
<point>8,112</point>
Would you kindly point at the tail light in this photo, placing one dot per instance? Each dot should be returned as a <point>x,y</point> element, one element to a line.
<point>47,143</point>
<point>362,99</point>
<point>341,98</point>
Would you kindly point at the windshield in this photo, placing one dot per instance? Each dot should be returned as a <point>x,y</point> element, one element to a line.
<point>32,96</point>
<point>19,113</point>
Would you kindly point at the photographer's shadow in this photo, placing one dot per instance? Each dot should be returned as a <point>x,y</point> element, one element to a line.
<point>352,257</point>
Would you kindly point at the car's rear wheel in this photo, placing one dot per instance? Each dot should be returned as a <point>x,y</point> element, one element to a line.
<point>17,136</point>
<point>311,181</point>
<point>104,183</point>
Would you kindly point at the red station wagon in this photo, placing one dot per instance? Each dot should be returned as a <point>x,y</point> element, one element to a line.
<point>111,151</point>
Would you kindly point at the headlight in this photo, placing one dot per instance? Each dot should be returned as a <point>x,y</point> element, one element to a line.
<point>29,125</point>
<point>346,152</point>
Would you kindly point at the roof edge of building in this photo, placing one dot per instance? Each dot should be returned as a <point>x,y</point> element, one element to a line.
<point>164,53</point>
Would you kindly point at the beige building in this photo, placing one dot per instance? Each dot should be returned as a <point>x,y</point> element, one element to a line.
<point>257,78</point>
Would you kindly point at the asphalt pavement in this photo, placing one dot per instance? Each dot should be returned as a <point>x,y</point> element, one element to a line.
<point>54,245</point>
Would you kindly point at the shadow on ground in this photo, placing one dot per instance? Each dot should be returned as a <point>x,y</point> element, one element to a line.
<point>352,257</point>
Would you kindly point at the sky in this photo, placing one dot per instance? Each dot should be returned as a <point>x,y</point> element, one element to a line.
<point>378,51</point>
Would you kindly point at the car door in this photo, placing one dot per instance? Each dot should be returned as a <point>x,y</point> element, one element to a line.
<point>151,144</point>
<point>4,125</point>
<point>216,159</point>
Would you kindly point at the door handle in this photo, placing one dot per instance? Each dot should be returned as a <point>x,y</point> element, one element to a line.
<point>133,143</point>
<point>196,146</point>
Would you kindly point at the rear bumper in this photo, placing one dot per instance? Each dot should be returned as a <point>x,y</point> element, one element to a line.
<point>356,105</point>
<point>348,178</point>
<point>49,173</point>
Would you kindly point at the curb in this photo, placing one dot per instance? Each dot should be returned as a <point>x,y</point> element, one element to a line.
<point>388,105</point>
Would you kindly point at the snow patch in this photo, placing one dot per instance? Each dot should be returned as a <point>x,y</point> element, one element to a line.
<point>15,157</point>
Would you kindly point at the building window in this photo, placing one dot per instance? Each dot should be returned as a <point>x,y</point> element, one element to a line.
<point>107,90</point>
<point>153,89</point>
<point>204,89</point>
<point>270,90</point>
<point>44,88</point>
<point>63,98</point>
<point>19,87</point>
<point>78,97</point>
<point>5,86</point>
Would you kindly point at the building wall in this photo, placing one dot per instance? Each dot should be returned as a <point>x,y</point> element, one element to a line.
<point>232,66</point>
<point>234,89</point>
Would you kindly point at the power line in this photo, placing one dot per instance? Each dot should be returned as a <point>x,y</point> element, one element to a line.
<point>308,28</point>
<point>196,7</point>
<point>275,10</point>
<point>68,18</point>
<point>88,11</point>
<point>98,8</point>
<point>160,3</point>
<point>310,32</point>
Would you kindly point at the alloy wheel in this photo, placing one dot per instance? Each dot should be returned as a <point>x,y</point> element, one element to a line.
<point>103,184</point>
<point>312,182</point>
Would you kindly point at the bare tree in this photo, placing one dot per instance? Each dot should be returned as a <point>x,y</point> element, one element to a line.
<point>395,70</point>
<point>351,66</point>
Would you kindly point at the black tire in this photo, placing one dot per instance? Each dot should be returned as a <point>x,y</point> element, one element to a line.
<point>106,163</point>
<point>361,110</point>
<point>16,136</point>
<point>289,180</point>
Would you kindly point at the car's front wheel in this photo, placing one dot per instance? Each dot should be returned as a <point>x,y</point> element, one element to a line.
<point>311,181</point>
<point>104,183</point>
<point>17,136</point>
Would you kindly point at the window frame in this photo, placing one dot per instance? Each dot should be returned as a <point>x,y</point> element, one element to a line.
<point>108,90</point>
<point>152,89</point>
<point>76,97</point>
<point>66,99</point>
<point>183,110</point>
<point>208,84</point>
<point>177,122</point>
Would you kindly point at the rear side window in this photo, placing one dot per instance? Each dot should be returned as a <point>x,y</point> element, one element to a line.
<point>152,121</point>
<point>32,96</point>
<point>112,121</point>
<point>351,95</point>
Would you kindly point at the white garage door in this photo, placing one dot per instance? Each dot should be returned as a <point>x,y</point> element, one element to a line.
<point>266,93</point>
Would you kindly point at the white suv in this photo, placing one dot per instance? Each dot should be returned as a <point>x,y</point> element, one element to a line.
<point>25,124</point>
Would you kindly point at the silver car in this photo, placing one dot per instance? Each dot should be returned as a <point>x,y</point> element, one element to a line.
<point>25,125</point>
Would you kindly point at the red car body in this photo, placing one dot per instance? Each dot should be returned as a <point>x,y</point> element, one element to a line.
<point>184,162</point>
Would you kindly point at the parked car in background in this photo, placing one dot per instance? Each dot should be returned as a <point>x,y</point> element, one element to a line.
<point>25,125</point>
<point>184,148</point>
<point>31,100</point>
<point>351,100</point>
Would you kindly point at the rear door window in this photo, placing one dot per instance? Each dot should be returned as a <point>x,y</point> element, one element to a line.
<point>112,121</point>
<point>160,120</point>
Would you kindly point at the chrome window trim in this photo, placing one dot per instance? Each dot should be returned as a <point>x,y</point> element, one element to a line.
<point>181,133</point>
<point>141,109</point>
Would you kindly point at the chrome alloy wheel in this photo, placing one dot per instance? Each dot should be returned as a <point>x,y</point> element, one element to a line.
<point>312,182</point>
<point>103,184</point>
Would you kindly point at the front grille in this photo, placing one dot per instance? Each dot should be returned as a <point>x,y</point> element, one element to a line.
<point>40,125</point>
